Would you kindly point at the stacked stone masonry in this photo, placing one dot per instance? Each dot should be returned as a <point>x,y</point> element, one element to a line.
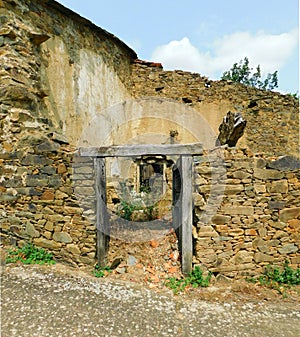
<point>47,192</point>
<point>257,221</point>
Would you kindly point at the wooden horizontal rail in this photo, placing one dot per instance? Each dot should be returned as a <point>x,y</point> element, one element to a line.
<point>142,149</point>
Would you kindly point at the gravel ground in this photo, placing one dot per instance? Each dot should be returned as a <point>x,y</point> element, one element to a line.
<point>42,302</point>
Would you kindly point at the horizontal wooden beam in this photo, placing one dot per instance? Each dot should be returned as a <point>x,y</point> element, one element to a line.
<point>141,149</point>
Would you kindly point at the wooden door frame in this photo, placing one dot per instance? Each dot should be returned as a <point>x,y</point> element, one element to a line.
<point>182,200</point>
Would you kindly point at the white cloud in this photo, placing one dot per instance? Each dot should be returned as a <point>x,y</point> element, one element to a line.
<point>271,52</point>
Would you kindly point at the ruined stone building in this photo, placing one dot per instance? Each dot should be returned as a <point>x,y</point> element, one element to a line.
<point>66,84</point>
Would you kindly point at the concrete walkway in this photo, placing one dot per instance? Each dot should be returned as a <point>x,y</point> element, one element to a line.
<point>39,302</point>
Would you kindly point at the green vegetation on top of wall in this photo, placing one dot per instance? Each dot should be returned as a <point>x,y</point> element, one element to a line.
<point>242,73</point>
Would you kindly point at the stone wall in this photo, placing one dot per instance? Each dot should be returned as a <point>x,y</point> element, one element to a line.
<point>40,204</point>
<point>272,118</point>
<point>76,68</point>
<point>257,221</point>
<point>47,197</point>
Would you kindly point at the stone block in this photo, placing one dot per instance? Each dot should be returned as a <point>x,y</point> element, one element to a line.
<point>72,210</point>
<point>208,259</point>
<point>37,180</point>
<point>84,170</point>
<point>49,226</point>
<point>236,232</point>
<point>60,195</point>
<point>273,243</point>
<point>201,181</point>
<point>277,224</point>
<point>285,163</point>
<point>221,228</point>
<point>74,249</point>
<point>47,235</point>
<point>45,243</point>
<point>294,223</point>
<point>260,188</point>
<point>220,219</point>
<point>258,242</point>
<point>295,260</point>
<point>267,174</point>
<point>198,200</point>
<point>276,204</point>
<point>260,163</point>
<point>262,232</point>
<point>278,186</point>
<point>61,168</point>
<point>48,170</point>
<point>41,222</point>
<point>207,231</point>
<point>251,232</point>
<point>224,238</point>
<point>242,256</point>
<point>241,175</point>
<point>47,195</point>
<point>261,257</point>
<point>47,146</point>
<point>289,214</point>
<point>5,197</point>
<point>206,170</point>
<point>31,231</point>
<point>62,237</point>
<point>295,237</point>
<point>84,191</point>
<point>242,164</point>
<point>238,210</point>
<point>13,220</point>
<point>55,217</point>
<point>55,181</point>
<point>288,249</point>
<point>233,189</point>
<point>35,159</point>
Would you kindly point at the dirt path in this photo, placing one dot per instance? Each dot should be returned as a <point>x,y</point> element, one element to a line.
<point>60,301</point>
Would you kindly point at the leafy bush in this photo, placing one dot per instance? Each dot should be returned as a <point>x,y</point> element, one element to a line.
<point>241,73</point>
<point>101,271</point>
<point>194,279</point>
<point>29,254</point>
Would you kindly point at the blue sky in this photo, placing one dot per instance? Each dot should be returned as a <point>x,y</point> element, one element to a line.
<point>205,36</point>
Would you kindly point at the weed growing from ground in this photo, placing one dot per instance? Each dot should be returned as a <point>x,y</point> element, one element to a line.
<point>278,278</point>
<point>29,254</point>
<point>101,271</point>
<point>194,279</point>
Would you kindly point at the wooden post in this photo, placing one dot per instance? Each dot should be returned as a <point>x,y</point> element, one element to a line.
<point>186,213</point>
<point>102,223</point>
<point>176,203</point>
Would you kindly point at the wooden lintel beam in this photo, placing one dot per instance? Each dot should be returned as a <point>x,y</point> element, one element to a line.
<point>142,149</point>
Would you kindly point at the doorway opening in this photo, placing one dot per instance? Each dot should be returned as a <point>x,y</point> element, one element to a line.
<point>182,204</point>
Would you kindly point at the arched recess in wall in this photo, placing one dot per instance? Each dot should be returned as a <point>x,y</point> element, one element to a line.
<point>152,121</point>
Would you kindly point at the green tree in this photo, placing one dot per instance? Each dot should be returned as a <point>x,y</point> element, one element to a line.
<point>242,73</point>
